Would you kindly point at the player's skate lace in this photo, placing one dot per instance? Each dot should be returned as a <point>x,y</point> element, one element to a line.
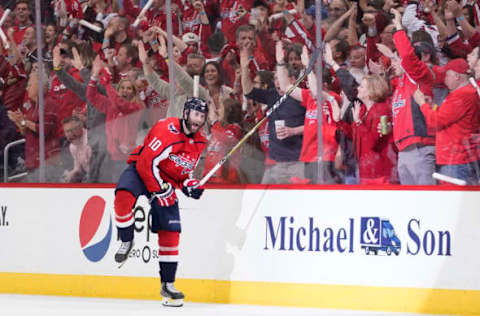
<point>122,253</point>
<point>124,247</point>
<point>169,290</point>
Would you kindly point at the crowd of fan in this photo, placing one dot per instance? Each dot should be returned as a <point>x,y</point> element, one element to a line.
<point>399,87</point>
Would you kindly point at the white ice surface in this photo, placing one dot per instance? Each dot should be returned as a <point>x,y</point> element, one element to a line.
<point>14,305</point>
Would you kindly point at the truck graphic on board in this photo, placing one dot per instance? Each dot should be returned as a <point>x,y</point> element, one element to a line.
<point>378,234</point>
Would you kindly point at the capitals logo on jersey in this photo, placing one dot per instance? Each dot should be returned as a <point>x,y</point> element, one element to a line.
<point>184,161</point>
<point>398,102</point>
<point>58,88</point>
<point>173,129</point>
<point>312,116</point>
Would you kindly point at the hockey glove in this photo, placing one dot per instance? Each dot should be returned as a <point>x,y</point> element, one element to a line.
<point>166,197</point>
<point>190,189</point>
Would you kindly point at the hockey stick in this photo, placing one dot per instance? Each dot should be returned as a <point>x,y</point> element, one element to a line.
<point>448,179</point>
<point>4,16</point>
<point>142,12</point>
<point>3,37</point>
<point>275,106</point>
<point>91,26</point>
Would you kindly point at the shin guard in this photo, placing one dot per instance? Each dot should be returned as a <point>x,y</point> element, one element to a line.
<point>124,203</point>
<point>168,254</point>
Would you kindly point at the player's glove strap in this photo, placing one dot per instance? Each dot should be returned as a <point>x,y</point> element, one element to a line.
<point>166,197</point>
<point>190,188</point>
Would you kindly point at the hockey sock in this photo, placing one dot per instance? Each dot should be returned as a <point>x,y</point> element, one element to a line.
<point>168,271</point>
<point>168,254</point>
<point>124,203</point>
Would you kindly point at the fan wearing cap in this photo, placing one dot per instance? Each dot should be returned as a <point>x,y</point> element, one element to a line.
<point>195,44</point>
<point>191,39</point>
<point>189,46</point>
<point>308,20</point>
<point>455,121</point>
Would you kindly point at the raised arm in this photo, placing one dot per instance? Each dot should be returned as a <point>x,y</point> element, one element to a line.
<point>282,72</point>
<point>347,81</point>
<point>99,101</point>
<point>124,106</point>
<point>77,87</point>
<point>334,29</point>
<point>247,84</point>
<point>157,84</point>
<point>13,51</point>
<point>442,29</point>
<point>186,82</point>
<point>457,14</point>
<point>181,45</point>
<point>352,26</point>
<point>413,66</point>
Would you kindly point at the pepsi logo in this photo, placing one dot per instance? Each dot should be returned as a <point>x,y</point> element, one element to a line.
<point>95,229</point>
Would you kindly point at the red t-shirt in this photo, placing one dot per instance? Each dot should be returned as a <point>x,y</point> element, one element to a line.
<point>19,32</point>
<point>310,130</point>
<point>32,141</point>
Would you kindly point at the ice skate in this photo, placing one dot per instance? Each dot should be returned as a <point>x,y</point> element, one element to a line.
<point>122,254</point>
<point>171,296</point>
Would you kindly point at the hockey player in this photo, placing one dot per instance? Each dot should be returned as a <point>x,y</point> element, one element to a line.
<point>164,162</point>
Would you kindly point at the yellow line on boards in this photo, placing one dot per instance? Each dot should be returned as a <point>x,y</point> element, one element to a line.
<point>406,300</point>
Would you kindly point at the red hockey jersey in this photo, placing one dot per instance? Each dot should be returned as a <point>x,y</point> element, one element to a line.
<point>167,154</point>
<point>409,126</point>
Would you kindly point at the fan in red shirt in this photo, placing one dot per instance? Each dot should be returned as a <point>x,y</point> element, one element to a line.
<point>14,79</point>
<point>309,153</point>
<point>123,111</point>
<point>413,137</point>
<point>474,63</point>
<point>27,121</point>
<point>225,133</point>
<point>22,15</point>
<point>233,14</point>
<point>456,120</point>
<point>194,18</point>
<point>247,37</point>
<point>374,148</point>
